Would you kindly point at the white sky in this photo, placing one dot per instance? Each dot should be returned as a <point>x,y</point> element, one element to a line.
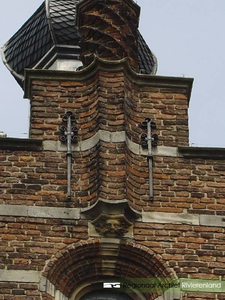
<point>188,40</point>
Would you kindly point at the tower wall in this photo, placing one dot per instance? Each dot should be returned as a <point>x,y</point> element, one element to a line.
<point>50,245</point>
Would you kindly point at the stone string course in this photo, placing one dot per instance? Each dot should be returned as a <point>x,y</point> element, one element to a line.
<point>112,102</point>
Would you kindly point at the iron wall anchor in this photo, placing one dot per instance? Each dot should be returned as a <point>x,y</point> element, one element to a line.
<point>147,142</point>
<point>69,136</point>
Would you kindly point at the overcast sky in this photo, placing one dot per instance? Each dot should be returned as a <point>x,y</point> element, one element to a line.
<point>187,38</point>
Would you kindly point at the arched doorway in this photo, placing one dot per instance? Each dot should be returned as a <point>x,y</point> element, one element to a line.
<point>105,295</point>
<point>81,269</point>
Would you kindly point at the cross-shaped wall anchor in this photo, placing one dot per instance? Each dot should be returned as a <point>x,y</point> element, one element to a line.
<point>147,142</point>
<point>69,137</point>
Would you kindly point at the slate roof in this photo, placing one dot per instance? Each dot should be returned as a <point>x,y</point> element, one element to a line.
<point>146,59</point>
<point>62,15</point>
<point>31,42</point>
<point>53,23</point>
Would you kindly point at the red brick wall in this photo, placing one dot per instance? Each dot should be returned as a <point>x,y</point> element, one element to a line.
<point>19,291</point>
<point>105,102</point>
<point>111,101</point>
<point>166,106</point>
<point>27,243</point>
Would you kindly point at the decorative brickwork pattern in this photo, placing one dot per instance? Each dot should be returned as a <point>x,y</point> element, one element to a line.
<point>109,29</point>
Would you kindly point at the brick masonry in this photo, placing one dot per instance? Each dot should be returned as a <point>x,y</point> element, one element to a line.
<point>109,96</point>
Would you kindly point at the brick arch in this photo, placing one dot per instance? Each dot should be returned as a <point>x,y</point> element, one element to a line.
<point>103,258</point>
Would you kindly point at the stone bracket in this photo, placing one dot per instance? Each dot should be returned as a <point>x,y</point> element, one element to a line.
<point>111,219</point>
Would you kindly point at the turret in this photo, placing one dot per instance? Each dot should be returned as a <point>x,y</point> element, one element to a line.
<point>60,35</point>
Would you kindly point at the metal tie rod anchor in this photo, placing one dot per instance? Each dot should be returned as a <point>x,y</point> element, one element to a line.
<point>147,142</point>
<point>69,137</point>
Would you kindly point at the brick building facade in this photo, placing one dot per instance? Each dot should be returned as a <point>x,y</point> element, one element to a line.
<point>63,239</point>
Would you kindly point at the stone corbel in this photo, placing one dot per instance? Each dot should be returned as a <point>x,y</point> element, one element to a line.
<point>111,219</point>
